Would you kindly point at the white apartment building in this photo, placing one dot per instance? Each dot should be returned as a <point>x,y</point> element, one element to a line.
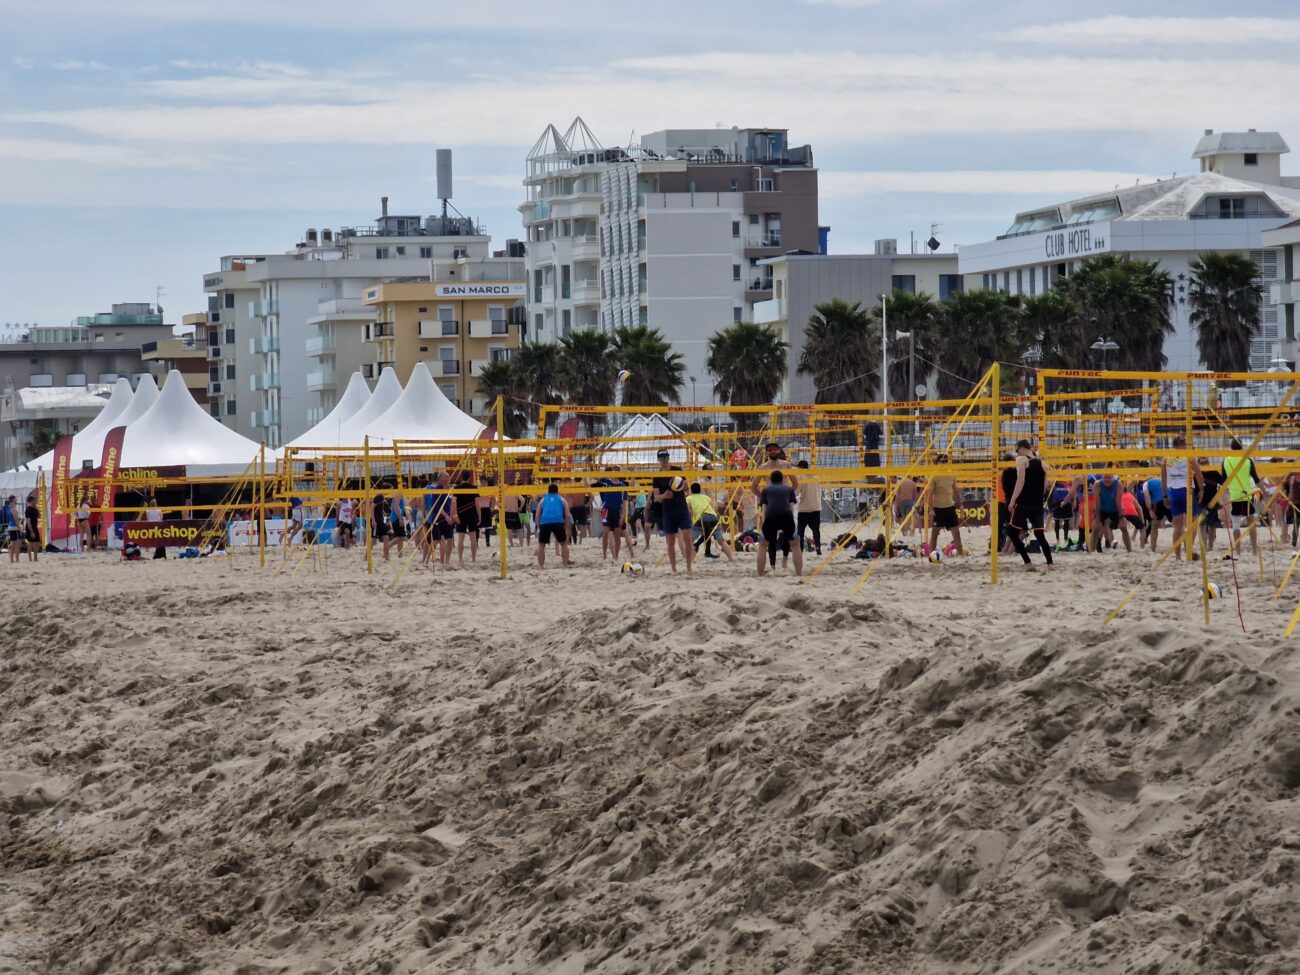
<point>668,233</point>
<point>1285,293</point>
<point>305,315</point>
<point>230,359</point>
<point>1238,195</point>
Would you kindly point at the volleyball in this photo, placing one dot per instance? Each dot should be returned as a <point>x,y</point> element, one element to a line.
<point>935,555</point>
<point>633,568</point>
<point>624,375</point>
<point>678,483</point>
<point>1212,591</point>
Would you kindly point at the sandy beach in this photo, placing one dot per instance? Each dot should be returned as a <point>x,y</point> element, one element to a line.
<point>207,767</point>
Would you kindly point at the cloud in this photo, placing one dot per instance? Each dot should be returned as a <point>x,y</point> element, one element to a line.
<point>95,154</point>
<point>1175,31</point>
<point>24,64</point>
<point>1057,183</point>
<point>842,3</point>
<point>76,65</point>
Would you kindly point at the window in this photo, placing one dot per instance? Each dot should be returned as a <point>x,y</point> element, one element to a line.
<point>460,252</point>
<point>381,253</point>
<point>903,282</point>
<point>426,252</point>
<point>753,219</point>
<point>950,284</point>
<point>1232,208</point>
<point>735,185</point>
<point>401,250</point>
<point>537,326</point>
<point>735,272</point>
<point>1250,159</point>
<point>230,370</point>
<point>1020,281</point>
<point>986,283</point>
<point>228,299</point>
<point>735,226</point>
<point>108,377</point>
<point>75,379</point>
<point>567,322</point>
<point>214,374</point>
<point>230,407</point>
<point>736,313</point>
<point>230,336</point>
<point>447,316</point>
<point>423,311</point>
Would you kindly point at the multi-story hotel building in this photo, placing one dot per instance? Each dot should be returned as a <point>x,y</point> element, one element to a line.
<point>305,314</point>
<point>1238,195</point>
<point>669,233</point>
<point>468,315</point>
<point>231,327</point>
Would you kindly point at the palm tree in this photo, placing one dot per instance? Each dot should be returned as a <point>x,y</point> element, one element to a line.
<point>839,352</point>
<point>44,439</point>
<point>1224,296</point>
<point>1051,324</point>
<point>979,328</point>
<point>748,363</point>
<point>499,379</point>
<point>587,371</point>
<point>656,371</point>
<point>1127,301</point>
<point>535,367</point>
<point>919,314</point>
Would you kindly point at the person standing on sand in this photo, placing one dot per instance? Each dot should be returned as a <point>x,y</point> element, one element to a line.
<point>777,501</point>
<point>810,511</point>
<point>1108,490</point>
<point>442,519</point>
<point>776,461</point>
<point>1175,473</point>
<point>941,495</point>
<point>154,515</point>
<point>32,528</point>
<point>295,523</point>
<point>553,522</point>
<point>9,523</point>
<point>1026,504</point>
<point>1243,488</point>
<point>613,505</point>
<point>347,530</point>
<point>904,504</point>
<point>467,518</point>
<point>674,513</point>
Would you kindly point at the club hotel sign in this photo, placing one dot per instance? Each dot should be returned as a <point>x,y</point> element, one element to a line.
<point>1079,242</point>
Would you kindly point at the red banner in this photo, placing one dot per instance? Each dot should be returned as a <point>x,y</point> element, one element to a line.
<point>62,521</point>
<point>151,534</point>
<point>108,470</point>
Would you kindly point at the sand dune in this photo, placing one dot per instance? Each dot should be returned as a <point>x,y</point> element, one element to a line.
<point>207,769</point>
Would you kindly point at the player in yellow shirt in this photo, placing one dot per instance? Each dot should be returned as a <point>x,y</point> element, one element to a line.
<point>705,516</point>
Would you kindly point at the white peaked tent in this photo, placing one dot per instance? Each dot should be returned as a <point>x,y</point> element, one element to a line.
<point>643,452</point>
<point>325,433</point>
<point>146,395</point>
<point>352,433</point>
<point>88,444</point>
<point>176,431</point>
<point>422,412</point>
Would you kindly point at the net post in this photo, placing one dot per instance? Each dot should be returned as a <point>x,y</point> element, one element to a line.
<point>502,540</point>
<point>1189,518</point>
<point>369,529</point>
<point>995,386</point>
<point>261,507</point>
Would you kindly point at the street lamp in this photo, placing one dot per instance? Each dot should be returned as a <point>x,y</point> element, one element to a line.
<point>1104,345</point>
<point>884,348</point>
<point>911,380</point>
<point>692,391</point>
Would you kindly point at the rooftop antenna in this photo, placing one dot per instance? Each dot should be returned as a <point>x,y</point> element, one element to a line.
<point>933,242</point>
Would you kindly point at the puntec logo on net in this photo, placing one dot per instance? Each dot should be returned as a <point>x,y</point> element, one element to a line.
<point>1072,243</point>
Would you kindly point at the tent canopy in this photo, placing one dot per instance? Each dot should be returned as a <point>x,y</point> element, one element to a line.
<point>662,435</point>
<point>176,431</point>
<point>352,433</point>
<point>325,433</point>
<point>88,444</point>
<point>422,412</point>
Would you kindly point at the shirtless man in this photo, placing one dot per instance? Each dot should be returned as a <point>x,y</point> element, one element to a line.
<point>904,503</point>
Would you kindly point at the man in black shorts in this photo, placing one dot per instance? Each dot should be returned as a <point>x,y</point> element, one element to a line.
<point>777,501</point>
<point>467,520</point>
<point>674,513</point>
<point>1026,503</point>
<point>553,520</point>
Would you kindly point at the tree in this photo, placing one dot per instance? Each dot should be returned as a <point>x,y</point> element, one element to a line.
<point>587,370</point>
<point>43,441</point>
<point>1224,296</point>
<point>499,379</point>
<point>748,363</point>
<point>979,328</point>
<point>1126,301</point>
<point>656,370</point>
<point>838,352</point>
<point>1051,324</point>
<point>921,315</point>
<point>535,367</point>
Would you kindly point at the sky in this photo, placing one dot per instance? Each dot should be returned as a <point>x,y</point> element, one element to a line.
<point>140,140</point>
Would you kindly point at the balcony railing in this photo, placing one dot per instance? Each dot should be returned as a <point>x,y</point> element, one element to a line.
<point>586,290</point>
<point>321,345</point>
<point>379,330</point>
<point>265,380</point>
<point>214,389</point>
<point>266,418</point>
<point>433,328</point>
<point>320,379</point>
<point>261,309</point>
<point>264,344</point>
<point>446,367</point>
<point>486,328</point>
<point>214,352</point>
<point>368,370</point>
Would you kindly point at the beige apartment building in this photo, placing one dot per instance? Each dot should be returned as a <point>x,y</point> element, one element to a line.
<point>455,327</point>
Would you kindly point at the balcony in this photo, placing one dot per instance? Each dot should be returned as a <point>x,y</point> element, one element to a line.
<point>379,330</point>
<point>766,312</point>
<point>544,294</point>
<point>586,248</point>
<point>214,317</point>
<point>214,388</point>
<point>368,370</point>
<point>266,418</point>
<point>445,367</point>
<point>341,309</point>
<point>586,292</point>
<point>315,414</point>
<point>263,309</point>
<point>320,346</point>
<point>263,381</point>
<point>1284,292</point>
<point>214,352</point>
<point>320,379</point>
<point>758,289</point>
<point>263,345</point>
<point>488,328</point>
<point>436,328</point>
